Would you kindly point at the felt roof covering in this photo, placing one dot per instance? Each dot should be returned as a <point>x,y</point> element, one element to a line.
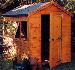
<point>23,10</point>
<point>26,9</point>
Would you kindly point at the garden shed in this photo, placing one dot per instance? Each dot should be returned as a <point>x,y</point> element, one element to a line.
<point>45,28</point>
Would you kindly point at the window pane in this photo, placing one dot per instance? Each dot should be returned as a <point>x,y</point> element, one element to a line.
<point>24,29</point>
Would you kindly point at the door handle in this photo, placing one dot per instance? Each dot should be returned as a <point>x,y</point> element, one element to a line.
<point>52,39</point>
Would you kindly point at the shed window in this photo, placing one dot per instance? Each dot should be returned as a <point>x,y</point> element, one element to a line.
<point>22,30</point>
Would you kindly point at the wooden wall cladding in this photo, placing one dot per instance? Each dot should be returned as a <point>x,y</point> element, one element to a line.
<point>60,34</point>
<point>35,36</point>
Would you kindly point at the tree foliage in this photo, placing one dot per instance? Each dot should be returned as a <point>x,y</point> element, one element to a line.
<point>68,4</point>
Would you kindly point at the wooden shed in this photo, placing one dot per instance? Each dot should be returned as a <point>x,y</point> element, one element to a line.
<point>47,30</point>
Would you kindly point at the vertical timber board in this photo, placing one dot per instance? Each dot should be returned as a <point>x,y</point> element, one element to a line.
<point>55,39</point>
<point>66,38</point>
<point>51,42</point>
<point>35,35</point>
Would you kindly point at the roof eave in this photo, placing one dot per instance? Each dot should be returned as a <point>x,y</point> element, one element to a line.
<point>15,15</point>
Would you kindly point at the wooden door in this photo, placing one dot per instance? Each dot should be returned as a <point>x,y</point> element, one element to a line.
<point>55,39</point>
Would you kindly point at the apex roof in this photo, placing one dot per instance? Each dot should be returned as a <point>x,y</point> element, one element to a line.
<point>26,9</point>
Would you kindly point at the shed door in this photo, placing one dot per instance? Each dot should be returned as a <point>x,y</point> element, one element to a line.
<point>56,36</point>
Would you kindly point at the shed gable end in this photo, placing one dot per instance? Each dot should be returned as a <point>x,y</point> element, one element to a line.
<point>50,8</point>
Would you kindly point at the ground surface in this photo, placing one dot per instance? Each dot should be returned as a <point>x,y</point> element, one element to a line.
<point>66,66</point>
